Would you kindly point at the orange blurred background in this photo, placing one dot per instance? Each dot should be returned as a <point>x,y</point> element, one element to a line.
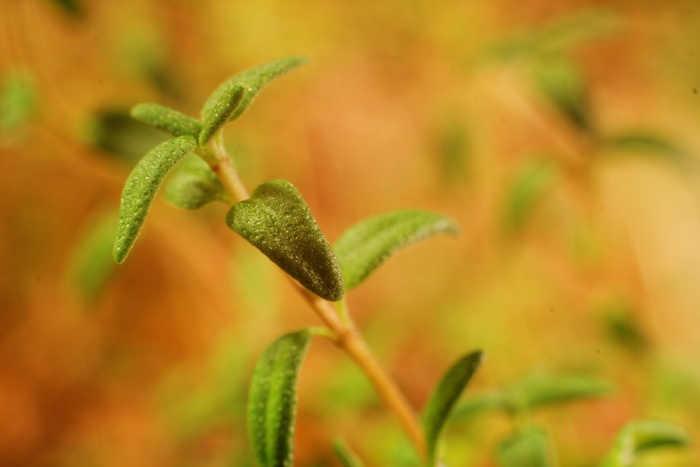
<point>562,136</point>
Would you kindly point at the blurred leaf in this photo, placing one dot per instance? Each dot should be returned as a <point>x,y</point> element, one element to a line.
<point>346,455</point>
<point>115,132</point>
<point>540,389</point>
<point>277,221</point>
<point>273,399</point>
<point>490,401</point>
<point>141,187</point>
<point>18,101</point>
<point>644,144</point>
<point>621,326</point>
<point>560,81</point>
<point>640,436</point>
<point>166,119</point>
<point>529,447</point>
<point>443,399</point>
<point>72,7</point>
<point>193,184</point>
<point>366,245</point>
<point>253,80</point>
<point>219,113</point>
<point>525,192</point>
<point>92,261</point>
<point>453,148</point>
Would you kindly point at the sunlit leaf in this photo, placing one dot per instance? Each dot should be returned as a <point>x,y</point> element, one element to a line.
<point>345,454</point>
<point>93,263</point>
<point>277,221</point>
<point>166,119</point>
<point>366,245</point>
<point>141,187</point>
<point>220,112</point>
<point>273,399</point>
<point>540,389</point>
<point>18,101</point>
<point>193,184</point>
<point>525,192</point>
<point>444,398</point>
<point>643,435</point>
<point>529,447</point>
<point>561,82</point>
<point>253,80</point>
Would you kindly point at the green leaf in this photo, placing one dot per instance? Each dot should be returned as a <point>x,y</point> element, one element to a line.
<point>443,399</point>
<point>529,447</point>
<point>166,119</point>
<point>277,221</point>
<point>141,187</point>
<point>220,112</point>
<point>92,263</point>
<point>642,435</point>
<point>525,192</point>
<point>272,400</point>
<point>346,455</point>
<point>490,401</point>
<point>540,389</point>
<point>253,80</point>
<point>193,184</point>
<point>561,82</point>
<point>368,244</point>
<point>18,100</point>
<point>115,132</point>
<point>644,144</point>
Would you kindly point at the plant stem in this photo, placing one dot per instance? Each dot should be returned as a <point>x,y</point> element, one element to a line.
<point>347,337</point>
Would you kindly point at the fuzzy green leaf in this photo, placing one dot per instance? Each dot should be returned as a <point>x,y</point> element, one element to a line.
<point>277,221</point>
<point>166,119</point>
<point>141,187</point>
<point>526,190</point>
<point>366,245</point>
<point>642,435</point>
<point>220,112</point>
<point>444,398</point>
<point>346,455</point>
<point>253,80</point>
<point>539,390</point>
<point>529,447</point>
<point>272,400</point>
<point>193,184</point>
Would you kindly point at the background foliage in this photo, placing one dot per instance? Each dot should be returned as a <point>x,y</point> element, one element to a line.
<point>562,136</point>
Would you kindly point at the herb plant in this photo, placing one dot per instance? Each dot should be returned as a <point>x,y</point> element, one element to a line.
<point>278,222</point>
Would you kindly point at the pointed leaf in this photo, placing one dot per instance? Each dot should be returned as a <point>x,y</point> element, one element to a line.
<point>166,119</point>
<point>526,191</point>
<point>272,400</point>
<point>562,84</point>
<point>444,398</point>
<point>529,447</point>
<point>366,245</point>
<point>277,221</point>
<point>642,435</point>
<point>346,455</point>
<point>193,184</point>
<point>141,187</point>
<point>253,80</point>
<point>540,389</point>
<point>220,111</point>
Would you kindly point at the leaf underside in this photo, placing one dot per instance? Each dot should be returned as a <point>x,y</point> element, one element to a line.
<point>252,80</point>
<point>272,400</point>
<point>193,184</point>
<point>642,435</point>
<point>444,398</point>
<point>166,119</point>
<point>141,187</point>
<point>366,245</point>
<point>277,221</point>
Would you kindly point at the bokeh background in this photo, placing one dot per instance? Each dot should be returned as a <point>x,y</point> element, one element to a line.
<point>562,136</point>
